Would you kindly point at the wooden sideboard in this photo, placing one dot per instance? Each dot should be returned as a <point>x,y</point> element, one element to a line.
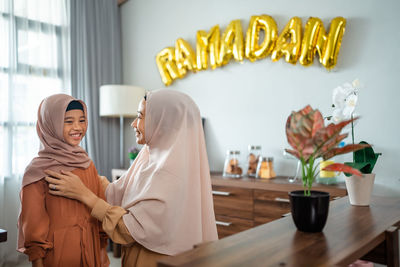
<point>243,203</point>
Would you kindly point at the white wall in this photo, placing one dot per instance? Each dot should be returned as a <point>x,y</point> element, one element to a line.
<point>248,103</point>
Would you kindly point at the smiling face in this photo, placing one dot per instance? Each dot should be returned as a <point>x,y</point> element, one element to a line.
<point>139,122</point>
<point>74,126</point>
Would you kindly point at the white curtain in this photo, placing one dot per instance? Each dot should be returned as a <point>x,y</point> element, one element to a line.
<point>34,63</point>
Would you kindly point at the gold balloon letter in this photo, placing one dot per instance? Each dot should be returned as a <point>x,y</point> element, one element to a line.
<point>208,44</point>
<point>232,43</point>
<point>331,44</point>
<point>316,40</point>
<point>166,64</point>
<point>314,28</point>
<point>264,23</point>
<point>184,56</point>
<point>291,50</point>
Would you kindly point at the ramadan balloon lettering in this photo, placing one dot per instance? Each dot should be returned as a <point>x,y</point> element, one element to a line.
<point>261,39</point>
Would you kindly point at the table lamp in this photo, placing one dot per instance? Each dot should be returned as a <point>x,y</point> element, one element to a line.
<point>120,101</point>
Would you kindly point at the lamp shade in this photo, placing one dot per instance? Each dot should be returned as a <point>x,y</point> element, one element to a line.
<point>120,100</point>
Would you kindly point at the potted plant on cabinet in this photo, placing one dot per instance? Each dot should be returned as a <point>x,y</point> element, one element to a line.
<point>310,140</point>
<point>360,188</point>
<point>344,102</point>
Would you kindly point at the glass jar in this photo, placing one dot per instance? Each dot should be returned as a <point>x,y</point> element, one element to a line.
<point>232,166</point>
<point>252,160</point>
<point>265,168</point>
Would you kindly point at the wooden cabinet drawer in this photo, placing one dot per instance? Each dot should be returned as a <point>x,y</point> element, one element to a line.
<point>233,202</point>
<point>230,225</point>
<point>244,203</point>
<point>270,205</point>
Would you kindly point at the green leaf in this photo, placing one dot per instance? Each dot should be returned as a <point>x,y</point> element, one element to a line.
<point>366,156</point>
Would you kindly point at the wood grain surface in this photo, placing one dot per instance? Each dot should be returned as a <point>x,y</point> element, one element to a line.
<point>350,233</point>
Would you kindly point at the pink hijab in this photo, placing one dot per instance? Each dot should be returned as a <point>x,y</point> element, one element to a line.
<point>167,190</point>
<point>54,153</point>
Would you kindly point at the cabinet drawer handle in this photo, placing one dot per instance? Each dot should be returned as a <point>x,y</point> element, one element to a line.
<point>223,223</point>
<point>282,199</point>
<point>221,193</point>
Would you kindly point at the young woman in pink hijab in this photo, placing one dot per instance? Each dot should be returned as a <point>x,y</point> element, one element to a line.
<point>57,231</point>
<point>163,204</point>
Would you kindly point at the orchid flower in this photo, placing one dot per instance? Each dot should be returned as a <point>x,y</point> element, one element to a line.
<point>344,100</point>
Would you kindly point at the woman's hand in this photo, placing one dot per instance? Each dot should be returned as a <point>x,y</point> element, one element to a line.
<point>69,185</point>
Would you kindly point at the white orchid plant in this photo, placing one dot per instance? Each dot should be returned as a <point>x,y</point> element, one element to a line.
<point>345,98</point>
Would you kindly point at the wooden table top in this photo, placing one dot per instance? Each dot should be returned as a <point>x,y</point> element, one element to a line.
<point>350,232</point>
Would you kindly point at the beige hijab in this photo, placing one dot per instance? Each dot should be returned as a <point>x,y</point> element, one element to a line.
<point>54,153</point>
<point>167,190</point>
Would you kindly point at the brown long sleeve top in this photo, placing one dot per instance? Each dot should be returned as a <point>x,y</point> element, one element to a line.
<point>61,230</point>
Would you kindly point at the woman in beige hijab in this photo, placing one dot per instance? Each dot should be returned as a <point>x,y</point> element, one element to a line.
<point>163,204</point>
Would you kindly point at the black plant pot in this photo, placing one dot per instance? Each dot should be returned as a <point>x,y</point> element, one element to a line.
<point>309,213</point>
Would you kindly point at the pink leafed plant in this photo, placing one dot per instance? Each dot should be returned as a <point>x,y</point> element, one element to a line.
<point>310,139</point>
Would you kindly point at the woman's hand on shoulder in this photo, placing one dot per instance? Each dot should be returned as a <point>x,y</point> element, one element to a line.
<point>69,185</point>
<point>65,184</point>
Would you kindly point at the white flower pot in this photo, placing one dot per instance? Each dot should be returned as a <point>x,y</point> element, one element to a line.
<point>359,189</point>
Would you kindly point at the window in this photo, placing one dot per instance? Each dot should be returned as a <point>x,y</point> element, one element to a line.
<point>32,66</point>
